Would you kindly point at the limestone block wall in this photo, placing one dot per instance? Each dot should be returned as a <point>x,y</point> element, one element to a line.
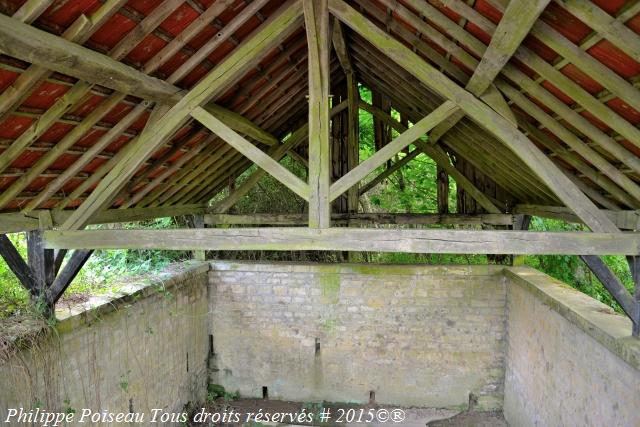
<point>413,335</point>
<point>144,351</point>
<point>570,359</point>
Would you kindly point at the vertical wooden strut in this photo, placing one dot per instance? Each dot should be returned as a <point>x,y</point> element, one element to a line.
<point>353,141</point>
<point>316,16</point>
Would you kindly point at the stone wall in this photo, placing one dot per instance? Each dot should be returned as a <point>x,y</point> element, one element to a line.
<point>139,352</point>
<point>570,359</point>
<point>413,335</point>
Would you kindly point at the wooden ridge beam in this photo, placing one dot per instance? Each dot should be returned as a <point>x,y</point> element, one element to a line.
<point>46,50</point>
<point>352,239</point>
<point>549,174</point>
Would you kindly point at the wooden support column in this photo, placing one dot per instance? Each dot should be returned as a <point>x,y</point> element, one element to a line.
<point>198,222</point>
<point>353,139</point>
<point>442,190</point>
<point>634,266</point>
<point>316,15</point>
<point>522,223</point>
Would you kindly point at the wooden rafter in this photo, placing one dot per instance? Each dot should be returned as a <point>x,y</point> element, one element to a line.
<point>514,25</point>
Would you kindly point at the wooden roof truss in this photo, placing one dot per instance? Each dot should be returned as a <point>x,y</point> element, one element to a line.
<point>534,104</point>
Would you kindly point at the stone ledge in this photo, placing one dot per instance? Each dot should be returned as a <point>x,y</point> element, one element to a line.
<point>97,306</point>
<point>596,319</point>
<point>344,268</point>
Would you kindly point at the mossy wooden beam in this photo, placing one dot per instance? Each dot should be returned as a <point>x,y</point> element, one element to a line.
<point>606,25</point>
<point>316,15</point>
<point>256,155</point>
<point>357,219</point>
<point>352,239</point>
<point>241,124</point>
<point>248,54</point>
<point>30,10</point>
<point>47,50</point>
<point>514,25</point>
<point>79,31</point>
<point>480,113</point>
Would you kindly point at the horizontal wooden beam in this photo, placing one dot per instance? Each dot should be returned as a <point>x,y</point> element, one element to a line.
<point>352,239</point>
<point>47,50</point>
<point>360,219</point>
<point>15,222</point>
<point>624,220</point>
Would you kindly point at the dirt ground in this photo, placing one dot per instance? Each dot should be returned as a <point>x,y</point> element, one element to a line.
<point>275,412</point>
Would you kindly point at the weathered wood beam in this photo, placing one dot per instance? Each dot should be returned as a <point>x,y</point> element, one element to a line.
<point>606,25</point>
<point>353,138</point>
<point>634,267</point>
<point>408,137</point>
<point>241,124</point>
<point>248,54</point>
<point>624,220</point>
<point>144,28</point>
<point>340,46</point>
<point>480,113</point>
<point>352,239</point>
<point>18,221</point>
<point>622,296</point>
<point>221,37</point>
<point>253,153</point>
<point>360,219</point>
<point>79,31</point>
<point>38,47</point>
<point>316,15</point>
<point>68,273</point>
<point>513,27</point>
<point>193,29</point>
<point>30,10</point>
<point>16,264</point>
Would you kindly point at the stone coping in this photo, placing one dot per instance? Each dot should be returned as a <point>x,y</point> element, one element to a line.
<point>596,319</point>
<point>357,268</point>
<point>99,305</point>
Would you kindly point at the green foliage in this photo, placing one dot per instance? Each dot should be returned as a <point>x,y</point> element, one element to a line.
<point>14,298</point>
<point>571,270</point>
<point>215,391</point>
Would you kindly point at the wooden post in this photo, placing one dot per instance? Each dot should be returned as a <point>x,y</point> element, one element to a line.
<point>520,222</point>
<point>353,139</point>
<point>316,15</point>
<point>41,264</point>
<point>198,222</point>
<point>442,190</point>
<point>634,266</point>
